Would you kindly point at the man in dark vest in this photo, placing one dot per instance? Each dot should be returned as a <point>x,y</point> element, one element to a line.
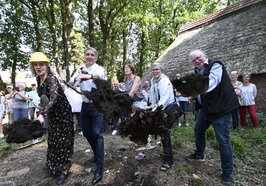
<point>215,107</point>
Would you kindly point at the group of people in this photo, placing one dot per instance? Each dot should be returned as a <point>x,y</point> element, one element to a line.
<point>246,93</point>
<point>215,108</point>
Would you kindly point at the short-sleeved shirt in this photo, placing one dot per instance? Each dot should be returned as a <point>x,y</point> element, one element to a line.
<point>19,102</point>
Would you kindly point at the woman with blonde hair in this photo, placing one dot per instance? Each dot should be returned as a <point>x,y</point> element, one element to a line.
<point>58,111</point>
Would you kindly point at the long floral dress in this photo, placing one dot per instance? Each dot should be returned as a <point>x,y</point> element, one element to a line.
<point>60,126</point>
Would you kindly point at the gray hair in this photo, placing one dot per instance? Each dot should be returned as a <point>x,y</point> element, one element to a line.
<point>93,49</point>
<point>234,72</point>
<point>157,64</point>
<point>197,51</point>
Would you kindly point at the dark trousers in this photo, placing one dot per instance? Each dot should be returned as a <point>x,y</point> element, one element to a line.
<point>167,147</point>
<point>166,141</point>
<point>93,127</point>
<point>235,118</point>
<point>221,127</point>
<point>79,124</point>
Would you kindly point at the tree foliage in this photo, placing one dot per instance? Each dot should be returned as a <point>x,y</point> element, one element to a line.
<point>135,31</point>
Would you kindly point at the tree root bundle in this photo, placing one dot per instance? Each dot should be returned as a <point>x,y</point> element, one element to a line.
<point>23,130</point>
<point>113,104</point>
<point>191,85</point>
<point>141,124</point>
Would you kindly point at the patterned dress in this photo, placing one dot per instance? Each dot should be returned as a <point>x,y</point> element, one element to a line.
<point>60,126</point>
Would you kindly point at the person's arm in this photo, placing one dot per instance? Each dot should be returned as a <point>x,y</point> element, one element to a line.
<point>9,96</point>
<point>215,76</point>
<point>99,74</point>
<point>73,79</point>
<point>4,103</point>
<point>254,91</point>
<point>135,86</point>
<point>165,90</point>
<point>53,87</point>
<point>26,98</point>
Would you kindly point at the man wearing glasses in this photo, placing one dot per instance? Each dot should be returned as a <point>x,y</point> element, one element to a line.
<point>216,105</point>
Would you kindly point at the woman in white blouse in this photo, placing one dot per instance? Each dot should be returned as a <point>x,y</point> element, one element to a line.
<point>247,102</point>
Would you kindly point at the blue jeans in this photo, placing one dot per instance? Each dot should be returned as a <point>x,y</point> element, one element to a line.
<point>20,113</point>
<point>221,127</point>
<point>93,127</point>
<point>114,124</point>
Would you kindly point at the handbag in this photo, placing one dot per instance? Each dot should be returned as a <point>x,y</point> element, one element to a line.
<point>173,112</point>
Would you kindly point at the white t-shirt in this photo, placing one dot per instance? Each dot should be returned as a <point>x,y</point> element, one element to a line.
<point>248,95</point>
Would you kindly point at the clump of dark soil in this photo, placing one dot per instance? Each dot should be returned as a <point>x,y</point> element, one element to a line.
<point>191,84</point>
<point>23,130</point>
<point>141,124</point>
<point>113,104</point>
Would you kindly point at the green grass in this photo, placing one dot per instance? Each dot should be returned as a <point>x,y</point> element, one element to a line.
<point>8,148</point>
<point>248,144</point>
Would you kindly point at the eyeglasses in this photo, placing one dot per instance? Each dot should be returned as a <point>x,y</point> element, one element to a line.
<point>155,69</point>
<point>196,59</point>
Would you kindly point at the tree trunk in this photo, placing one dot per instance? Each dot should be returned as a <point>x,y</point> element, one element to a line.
<point>142,53</point>
<point>13,71</point>
<point>52,27</point>
<point>67,27</point>
<point>124,46</point>
<point>35,19</point>
<point>90,22</point>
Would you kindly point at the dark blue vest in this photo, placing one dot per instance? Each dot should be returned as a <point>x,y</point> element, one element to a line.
<point>221,100</point>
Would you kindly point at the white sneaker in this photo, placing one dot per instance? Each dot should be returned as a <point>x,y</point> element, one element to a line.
<point>114,132</point>
<point>149,146</point>
<point>2,135</point>
<point>179,124</point>
<point>35,141</point>
<point>187,124</point>
<point>81,133</point>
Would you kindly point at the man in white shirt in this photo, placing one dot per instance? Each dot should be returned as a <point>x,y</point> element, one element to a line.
<point>91,119</point>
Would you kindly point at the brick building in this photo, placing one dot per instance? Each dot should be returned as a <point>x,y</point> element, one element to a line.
<point>236,35</point>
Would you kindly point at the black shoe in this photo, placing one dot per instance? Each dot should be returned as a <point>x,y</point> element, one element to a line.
<point>97,176</point>
<point>195,157</point>
<point>61,178</point>
<point>90,161</point>
<point>227,179</point>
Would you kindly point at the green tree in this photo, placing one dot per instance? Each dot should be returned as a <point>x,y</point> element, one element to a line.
<point>13,33</point>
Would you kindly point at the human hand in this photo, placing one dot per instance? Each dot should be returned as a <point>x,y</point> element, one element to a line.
<point>40,118</point>
<point>84,77</point>
<point>152,107</point>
